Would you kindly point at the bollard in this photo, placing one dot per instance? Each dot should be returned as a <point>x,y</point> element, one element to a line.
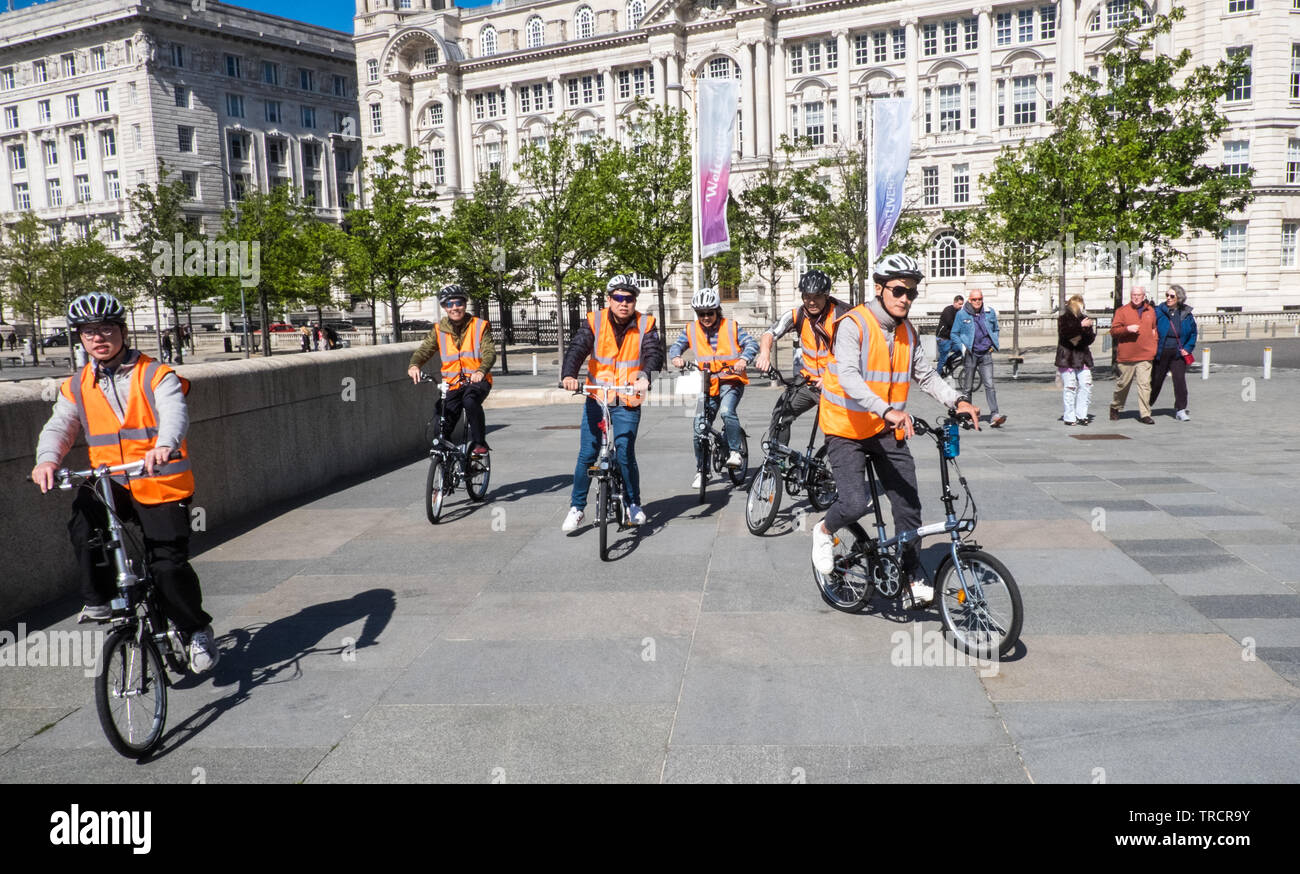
<point>1268,362</point>
<point>1225,330</point>
<point>1275,329</point>
<point>1296,331</point>
<point>1205,363</point>
<point>535,360</point>
<point>1248,330</point>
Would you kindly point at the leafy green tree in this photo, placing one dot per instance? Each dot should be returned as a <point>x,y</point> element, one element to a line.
<point>649,181</point>
<point>567,219</point>
<point>324,250</point>
<point>770,216</point>
<point>24,256</point>
<point>75,265</point>
<point>358,270</point>
<point>487,248</point>
<point>1139,138</point>
<point>399,228</point>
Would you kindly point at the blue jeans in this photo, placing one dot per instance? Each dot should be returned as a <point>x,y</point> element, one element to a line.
<point>945,347</point>
<point>625,421</point>
<point>707,409</point>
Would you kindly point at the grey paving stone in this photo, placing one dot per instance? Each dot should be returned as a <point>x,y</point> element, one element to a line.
<point>1113,505</point>
<point>188,764</point>
<point>917,762</point>
<point>486,744</point>
<point>1266,632</point>
<point>1198,546</point>
<point>1281,561</point>
<point>571,672</point>
<point>1108,609</point>
<point>831,704</point>
<point>1213,525</point>
<point>1237,582</point>
<point>1065,478</point>
<point>17,724</point>
<point>1129,481</point>
<point>1245,607</point>
<point>1157,741</point>
<point>576,615</point>
<point>235,577</point>
<point>1192,563</point>
<point>1283,659</point>
<point>1034,568</point>
<point>1203,510</point>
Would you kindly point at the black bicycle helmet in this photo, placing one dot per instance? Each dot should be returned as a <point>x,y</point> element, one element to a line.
<point>451,292</point>
<point>94,308</point>
<point>897,266</point>
<point>813,283</point>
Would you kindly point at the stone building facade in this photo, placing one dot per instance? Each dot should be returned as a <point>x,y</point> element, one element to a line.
<point>469,86</point>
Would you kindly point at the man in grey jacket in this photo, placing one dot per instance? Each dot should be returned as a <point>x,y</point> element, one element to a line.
<point>975,330</point>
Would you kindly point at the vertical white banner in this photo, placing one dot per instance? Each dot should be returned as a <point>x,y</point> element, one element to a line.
<point>717,123</point>
<point>892,147</point>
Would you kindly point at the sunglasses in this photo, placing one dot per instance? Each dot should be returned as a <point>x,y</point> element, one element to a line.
<point>623,298</point>
<point>707,314</point>
<point>902,291</point>
<point>453,304</point>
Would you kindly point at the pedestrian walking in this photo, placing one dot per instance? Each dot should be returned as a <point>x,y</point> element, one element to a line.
<point>1075,332</point>
<point>1134,331</point>
<point>167,347</point>
<point>306,338</point>
<point>1176,338</point>
<point>315,336</point>
<point>331,338</point>
<point>944,333</point>
<point>975,332</point>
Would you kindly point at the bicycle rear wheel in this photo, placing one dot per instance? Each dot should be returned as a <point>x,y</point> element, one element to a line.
<point>982,618</point>
<point>131,693</point>
<point>764,498</point>
<point>435,490</point>
<point>848,587</point>
<point>604,513</point>
<point>480,472</point>
<point>737,474</point>
<point>821,484</point>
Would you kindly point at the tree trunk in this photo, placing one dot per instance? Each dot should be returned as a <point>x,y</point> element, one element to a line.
<point>265,309</point>
<point>395,308</point>
<point>1117,302</point>
<point>1060,280</point>
<point>663,321</point>
<point>1015,318</point>
<point>505,326</point>
<point>559,320</point>
<point>179,355</point>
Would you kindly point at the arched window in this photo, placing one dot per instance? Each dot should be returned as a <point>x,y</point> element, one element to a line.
<point>372,70</point>
<point>635,12</point>
<point>584,22</point>
<point>723,68</point>
<point>947,257</point>
<point>430,56</point>
<point>487,41</point>
<point>536,32</point>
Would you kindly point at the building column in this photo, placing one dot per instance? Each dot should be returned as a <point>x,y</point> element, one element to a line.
<point>914,75</point>
<point>451,158</point>
<point>673,71</point>
<point>465,146</point>
<point>659,63</point>
<point>611,115</point>
<point>1066,49</point>
<point>762,99</point>
<point>329,176</point>
<point>984,85</point>
<point>780,112</point>
<point>747,103</point>
<point>844,106</point>
<point>512,130</point>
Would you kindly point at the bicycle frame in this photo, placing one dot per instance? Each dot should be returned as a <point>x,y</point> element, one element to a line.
<point>606,462</point>
<point>803,461</point>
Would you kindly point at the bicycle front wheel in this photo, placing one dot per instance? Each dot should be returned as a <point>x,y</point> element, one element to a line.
<point>848,587</point>
<point>435,490</point>
<point>131,693</point>
<point>983,616</point>
<point>737,474</point>
<point>480,471</point>
<point>764,499</point>
<point>604,514</point>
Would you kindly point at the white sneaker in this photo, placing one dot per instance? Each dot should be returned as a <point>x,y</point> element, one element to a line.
<point>572,521</point>
<point>1182,416</point>
<point>734,460</point>
<point>922,593</point>
<point>635,515</point>
<point>823,550</point>
<point>204,654</point>
<point>695,483</point>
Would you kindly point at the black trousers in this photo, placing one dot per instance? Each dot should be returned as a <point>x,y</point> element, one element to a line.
<point>470,399</point>
<point>802,399</point>
<point>1170,360</point>
<point>167,545</point>
<point>896,473</point>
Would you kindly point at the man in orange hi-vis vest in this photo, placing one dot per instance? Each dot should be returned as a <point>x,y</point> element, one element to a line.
<point>131,408</point>
<point>463,343</point>
<point>620,347</point>
<point>875,356</point>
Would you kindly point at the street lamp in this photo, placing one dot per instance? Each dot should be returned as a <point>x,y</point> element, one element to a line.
<point>234,201</point>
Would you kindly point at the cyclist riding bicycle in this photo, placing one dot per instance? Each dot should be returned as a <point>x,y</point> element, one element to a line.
<point>721,347</point>
<point>813,321</point>
<point>620,347</point>
<point>130,408</point>
<point>465,348</point>
<point>875,355</point>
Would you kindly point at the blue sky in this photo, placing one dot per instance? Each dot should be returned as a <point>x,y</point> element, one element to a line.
<point>327,13</point>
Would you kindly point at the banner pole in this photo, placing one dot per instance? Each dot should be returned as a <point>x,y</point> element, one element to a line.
<point>695,186</point>
<point>869,144</point>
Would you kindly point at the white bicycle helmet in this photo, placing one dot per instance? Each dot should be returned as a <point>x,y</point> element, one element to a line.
<point>622,282</point>
<point>706,299</point>
<point>95,307</point>
<point>897,266</point>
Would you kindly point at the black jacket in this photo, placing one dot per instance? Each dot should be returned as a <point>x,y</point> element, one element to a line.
<point>1073,341</point>
<point>945,322</point>
<point>575,357</point>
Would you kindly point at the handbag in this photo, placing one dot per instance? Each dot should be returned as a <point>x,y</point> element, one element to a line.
<point>1189,358</point>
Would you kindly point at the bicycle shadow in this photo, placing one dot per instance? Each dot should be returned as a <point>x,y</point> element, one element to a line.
<point>264,654</point>
<point>541,485</point>
<point>659,513</point>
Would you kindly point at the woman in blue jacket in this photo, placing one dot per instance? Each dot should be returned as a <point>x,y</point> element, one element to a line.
<point>1176,332</point>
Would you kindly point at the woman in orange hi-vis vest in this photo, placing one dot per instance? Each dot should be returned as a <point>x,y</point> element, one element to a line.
<point>875,356</point>
<point>463,343</point>
<point>130,408</point>
<point>721,346</point>
<point>619,347</point>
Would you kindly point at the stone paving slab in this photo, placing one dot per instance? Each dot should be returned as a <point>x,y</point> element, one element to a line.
<point>188,764</point>
<point>923,760</point>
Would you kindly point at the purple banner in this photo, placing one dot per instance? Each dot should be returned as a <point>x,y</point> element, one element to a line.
<point>893,147</point>
<point>717,120</point>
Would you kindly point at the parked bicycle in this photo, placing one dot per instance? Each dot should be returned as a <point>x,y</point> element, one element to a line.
<point>788,468</point>
<point>612,502</point>
<point>131,682</point>
<point>979,601</point>
<point>716,448</point>
<point>954,370</point>
<point>451,464</point>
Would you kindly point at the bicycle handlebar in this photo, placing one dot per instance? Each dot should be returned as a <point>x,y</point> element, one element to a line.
<point>921,426</point>
<point>66,478</point>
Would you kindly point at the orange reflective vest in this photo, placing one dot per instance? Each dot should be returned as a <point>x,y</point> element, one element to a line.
<point>114,442</point>
<point>888,377</point>
<point>814,354</point>
<point>612,363</point>
<point>720,358</point>
<point>459,361</point>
